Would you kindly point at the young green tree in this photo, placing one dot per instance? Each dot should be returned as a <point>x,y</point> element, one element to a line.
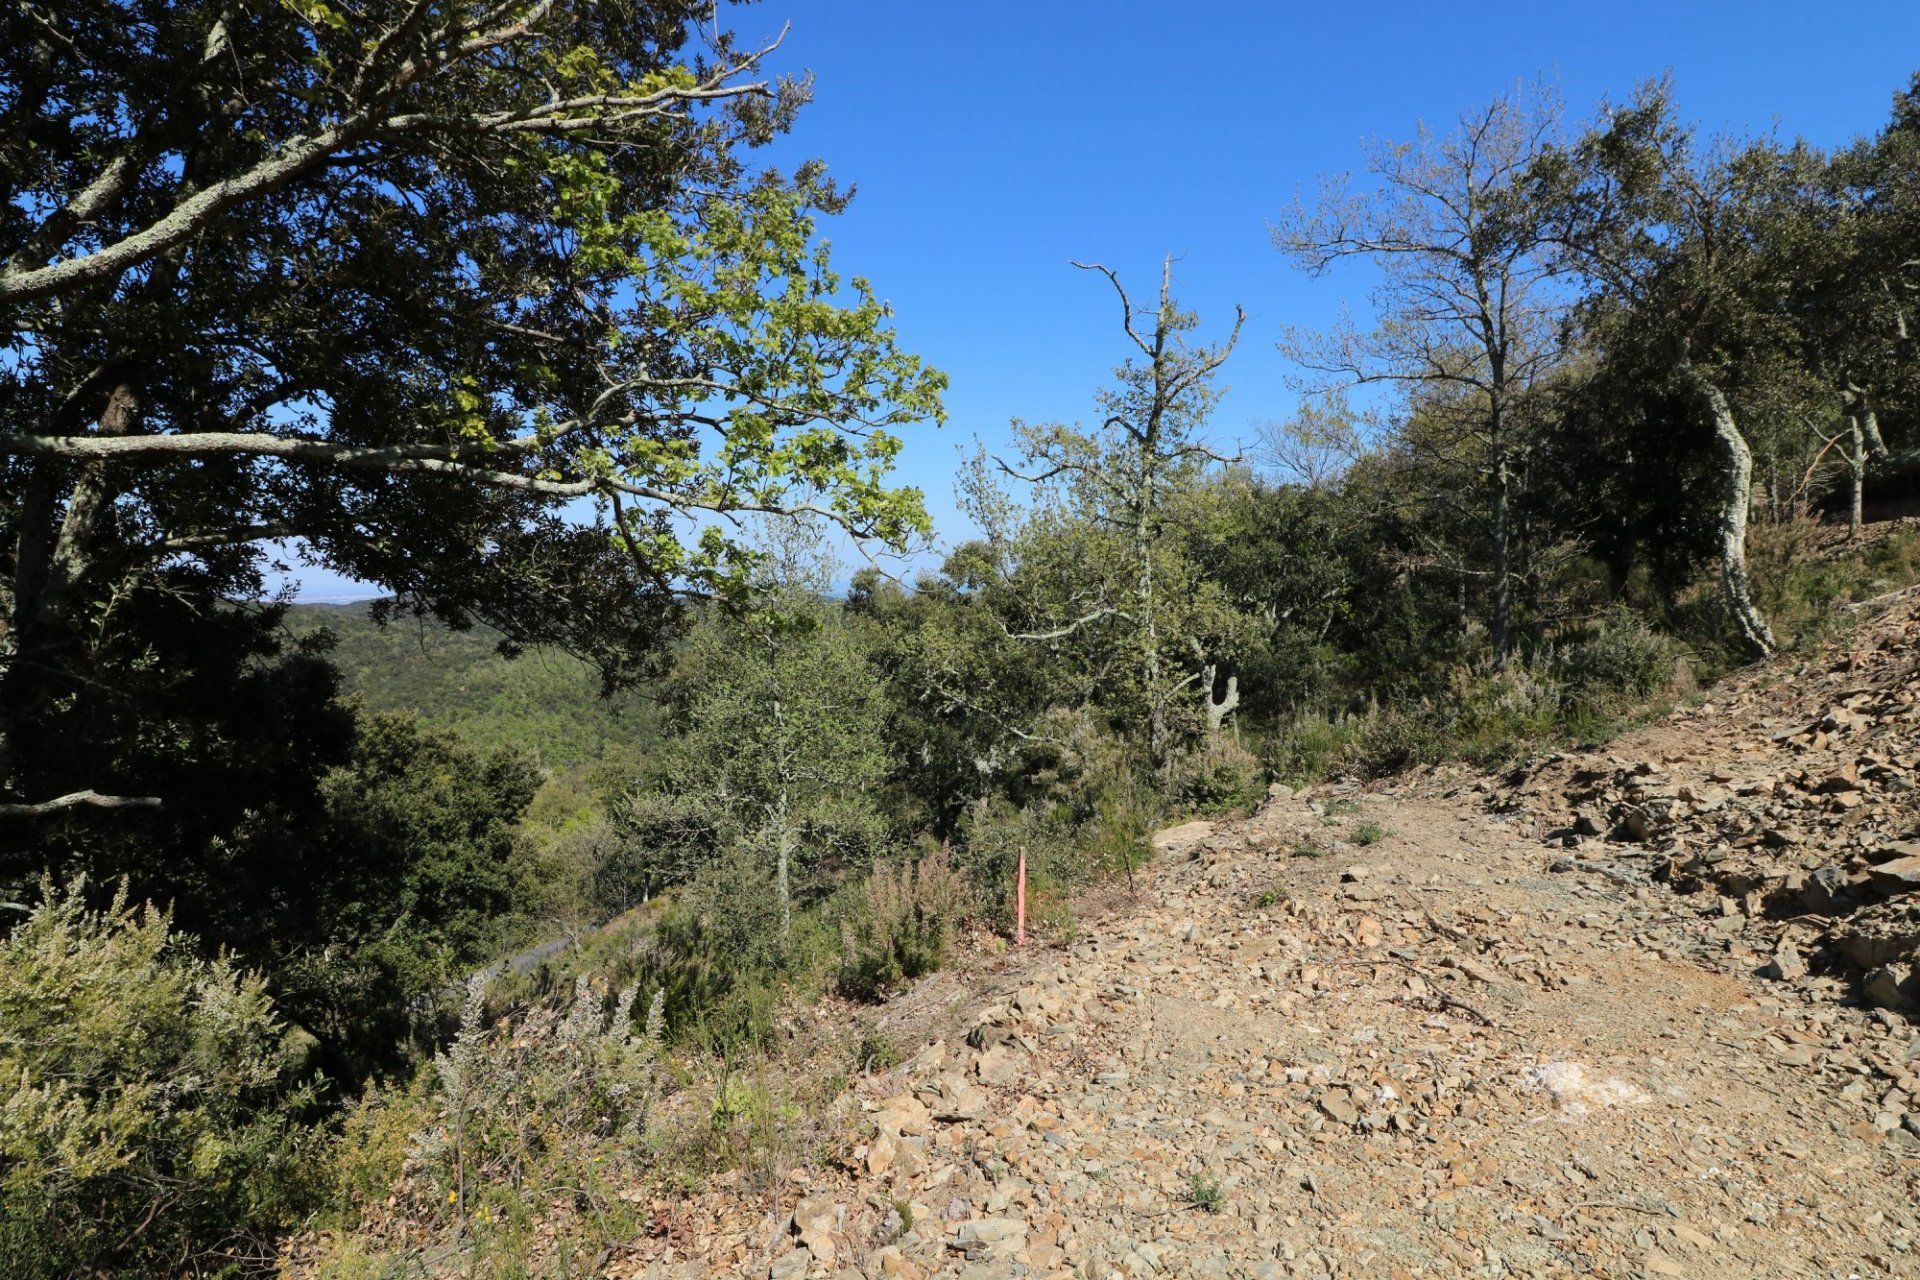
<point>780,750</point>
<point>397,286</point>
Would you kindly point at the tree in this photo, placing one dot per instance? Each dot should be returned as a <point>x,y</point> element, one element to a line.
<point>1838,250</point>
<point>1108,508</point>
<point>1279,551</point>
<point>780,749</point>
<point>1471,325</point>
<point>1658,228</point>
<point>406,885</point>
<point>396,287</point>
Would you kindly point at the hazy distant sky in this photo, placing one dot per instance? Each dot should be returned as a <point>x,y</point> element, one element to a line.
<point>993,142</point>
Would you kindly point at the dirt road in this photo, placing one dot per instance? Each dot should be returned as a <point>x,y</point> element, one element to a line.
<point>1427,1056</point>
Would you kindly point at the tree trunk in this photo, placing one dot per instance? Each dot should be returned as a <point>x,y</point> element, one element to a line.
<point>1870,422</point>
<point>1858,405</point>
<point>49,565</point>
<point>783,866</point>
<point>1157,748</point>
<point>1502,619</point>
<point>1218,711</point>
<point>1736,497</point>
<point>74,546</point>
<point>1856,475</point>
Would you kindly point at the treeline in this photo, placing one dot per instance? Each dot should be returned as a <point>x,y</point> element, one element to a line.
<point>1626,394</point>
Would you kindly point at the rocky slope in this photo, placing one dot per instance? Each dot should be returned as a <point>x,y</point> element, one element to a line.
<point>1614,1027</point>
<point>1787,808</point>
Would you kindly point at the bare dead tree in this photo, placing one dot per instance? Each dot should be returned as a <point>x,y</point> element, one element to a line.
<point>1469,315</point>
<point>1124,475</point>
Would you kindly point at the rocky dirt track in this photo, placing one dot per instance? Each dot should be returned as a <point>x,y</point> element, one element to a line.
<point>1493,1041</point>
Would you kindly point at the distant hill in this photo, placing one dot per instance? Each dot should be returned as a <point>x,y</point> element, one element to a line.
<point>545,702</point>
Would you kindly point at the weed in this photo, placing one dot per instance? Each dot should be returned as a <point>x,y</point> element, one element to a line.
<point>1205,1193</point>
<point>877,1052</point>
<point>1368,833</point>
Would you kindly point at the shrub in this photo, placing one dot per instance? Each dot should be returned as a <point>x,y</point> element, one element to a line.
<point>1368,833</point>
<point>1394,739</point>
<point>1217,775</point>
<point>1311,746</point>
<point>901,926</point>
<point>724,958</point>
<point>877,1052</point>
<point>1061,856</point>
<point>1205,1194</point>
<point>150,1118</point>
<point>514,1141</point>
<point>1622,660</point>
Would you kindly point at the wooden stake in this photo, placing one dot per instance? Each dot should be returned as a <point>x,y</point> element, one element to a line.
<point>1020,902</point>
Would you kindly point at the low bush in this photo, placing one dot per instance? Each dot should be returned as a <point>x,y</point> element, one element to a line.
<point>1217,775</point>
<point>514,1143</point>
<point>900,925</point>
<point>1311,746</point>
<point>151,1101</point>
<point>1060,858</point>
<point>725,957</point>
<point>1624,660</point>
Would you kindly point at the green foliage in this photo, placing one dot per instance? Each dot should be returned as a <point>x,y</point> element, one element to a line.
<point>1516,551</point>
<point>1094,569</point>
<point>217,718</point>
<point>704,356</point>
<point>1270,897</point>
<point>725,960</point>
<point>1216,775</point>
<point>779,749</point>
<point>877,1052</point>
<point>1622,660</point>
<point>1205,1193</point>
<point>1309,746</point>
<point>1803,574</point>
<point>544,702</point>
<point>413,882</point>
<point>899,926</point>
<point>151,1114</point>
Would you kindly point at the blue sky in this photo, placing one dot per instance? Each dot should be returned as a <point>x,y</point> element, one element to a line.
<point>991,143</point>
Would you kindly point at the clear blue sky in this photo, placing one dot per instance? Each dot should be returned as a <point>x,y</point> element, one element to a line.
<point>993,142</point>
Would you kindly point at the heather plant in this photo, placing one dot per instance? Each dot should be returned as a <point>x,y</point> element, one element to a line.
<point>900,925</point>
<point>513,1117</point>
<point>151,1100</point>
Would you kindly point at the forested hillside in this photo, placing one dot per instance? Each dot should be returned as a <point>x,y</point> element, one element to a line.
<point>480,930</point>
<point>544,702</point>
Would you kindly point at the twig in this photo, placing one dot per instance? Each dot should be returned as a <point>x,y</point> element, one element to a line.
<point>1614,1204</point>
